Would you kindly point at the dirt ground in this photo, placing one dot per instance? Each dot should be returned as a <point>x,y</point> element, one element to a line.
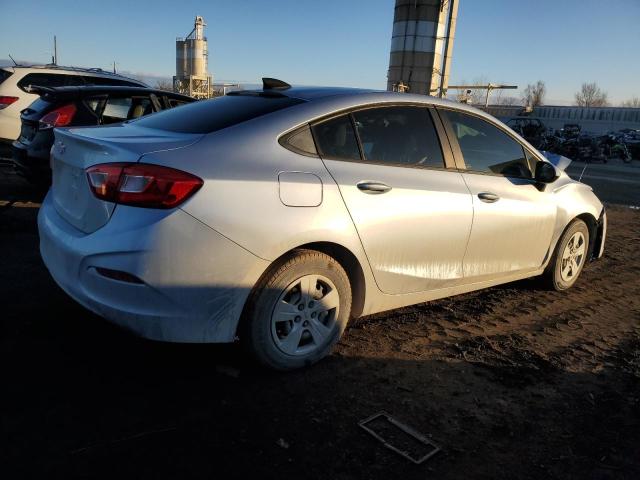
<point>511,382</point>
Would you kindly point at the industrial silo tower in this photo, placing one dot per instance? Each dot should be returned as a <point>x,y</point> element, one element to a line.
<point>421,46</point>
<point>192,55</point>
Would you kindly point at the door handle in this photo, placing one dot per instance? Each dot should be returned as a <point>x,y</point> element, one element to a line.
<point>373,187</point>
<point>488,197</point>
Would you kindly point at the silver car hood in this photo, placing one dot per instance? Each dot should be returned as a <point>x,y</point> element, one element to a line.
<point>558,161</point>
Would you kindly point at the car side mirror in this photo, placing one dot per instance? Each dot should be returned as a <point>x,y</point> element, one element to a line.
<point>545,172</point>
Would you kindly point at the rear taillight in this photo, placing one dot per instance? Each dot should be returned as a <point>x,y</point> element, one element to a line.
<point>142,185</point>
<point>6,101</point>
<point>60,117</point>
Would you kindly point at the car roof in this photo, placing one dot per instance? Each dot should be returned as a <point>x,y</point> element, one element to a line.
<point>312,94</point>
<point>67,69</point>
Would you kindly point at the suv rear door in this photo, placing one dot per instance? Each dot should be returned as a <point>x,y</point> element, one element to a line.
<point>411,208</point>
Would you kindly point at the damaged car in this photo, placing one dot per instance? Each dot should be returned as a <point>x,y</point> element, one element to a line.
<point>274,216</point>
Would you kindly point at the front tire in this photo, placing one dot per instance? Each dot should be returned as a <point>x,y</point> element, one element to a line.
<point>569,257</point>
<point>298,312</point>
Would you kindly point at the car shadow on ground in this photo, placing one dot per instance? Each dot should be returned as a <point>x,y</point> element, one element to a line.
<point>84,399</point>
<point>87,399</point>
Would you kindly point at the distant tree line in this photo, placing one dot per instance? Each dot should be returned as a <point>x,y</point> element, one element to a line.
<point>164,85</point>
<point>589,95</point>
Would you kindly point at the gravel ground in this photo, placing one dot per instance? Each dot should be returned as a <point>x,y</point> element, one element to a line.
<point>511,382</point>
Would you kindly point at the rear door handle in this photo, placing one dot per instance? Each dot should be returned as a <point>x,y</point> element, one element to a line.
<point>488,197</point>
<point>373,187</point>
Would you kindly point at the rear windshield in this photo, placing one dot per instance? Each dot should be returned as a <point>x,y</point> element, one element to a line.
<point>208,116</point>
<point>4,74</point>
<point>110,81</point>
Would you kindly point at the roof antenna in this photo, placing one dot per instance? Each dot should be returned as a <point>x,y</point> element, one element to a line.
<point>14,62</point>
<point>55,50</point>
<point>274,84</point>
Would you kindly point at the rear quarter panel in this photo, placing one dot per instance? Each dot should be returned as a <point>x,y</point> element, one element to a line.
<point>240,197</point>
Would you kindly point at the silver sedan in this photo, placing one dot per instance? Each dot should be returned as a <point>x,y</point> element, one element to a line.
<point>276,215</point>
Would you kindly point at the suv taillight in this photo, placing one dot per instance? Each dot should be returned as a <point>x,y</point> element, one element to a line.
<point>59,117</point>
<point>142,185</point>
<point>6,101</point>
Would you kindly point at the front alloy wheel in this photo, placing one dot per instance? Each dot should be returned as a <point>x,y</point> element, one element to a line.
<point>570,256</point>
<point>573,257</point>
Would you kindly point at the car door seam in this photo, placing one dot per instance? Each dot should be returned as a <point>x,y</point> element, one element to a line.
<point>344,202</point>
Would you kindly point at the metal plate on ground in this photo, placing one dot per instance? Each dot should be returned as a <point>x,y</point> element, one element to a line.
<point>399,437</point>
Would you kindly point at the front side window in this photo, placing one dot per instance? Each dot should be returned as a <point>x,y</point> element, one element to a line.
<point>486,148</point>
<point>336,139</point>
<point>399,135</point>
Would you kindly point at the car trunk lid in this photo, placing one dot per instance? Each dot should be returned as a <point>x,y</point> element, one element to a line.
<point>76,149</point>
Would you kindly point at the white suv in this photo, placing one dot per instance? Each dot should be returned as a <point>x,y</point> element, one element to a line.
<point>16,82</point>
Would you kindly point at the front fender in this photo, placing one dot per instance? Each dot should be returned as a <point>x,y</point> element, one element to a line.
<point>577,200</point>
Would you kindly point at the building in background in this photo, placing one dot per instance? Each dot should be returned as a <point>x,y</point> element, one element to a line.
<point>192,77</point>
<point>422,46</point>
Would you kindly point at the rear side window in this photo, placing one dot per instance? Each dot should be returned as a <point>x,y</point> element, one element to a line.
<point>109,81</point>
<point>300,141</point>
<point>41,80</point>
<point>49,80</point>
<point>403,136</point>
<point>336,139</point>
<point>486,148</point>
<point>208,116</point>
<point>4,74</point>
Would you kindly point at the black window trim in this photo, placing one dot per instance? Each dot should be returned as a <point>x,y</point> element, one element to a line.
<point>283,140</point>
<point>457,152</point>
<point>445,148</point>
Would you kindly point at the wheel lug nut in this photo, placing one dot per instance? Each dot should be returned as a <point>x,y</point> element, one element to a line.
<point>313,314</point>
<point>305,324</point>
<point>310,304</point>
<point>297,319</point>
<point>301,307</point>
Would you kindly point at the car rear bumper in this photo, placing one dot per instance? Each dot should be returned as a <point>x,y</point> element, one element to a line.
<point>193,281</point>
<point>35,168</point>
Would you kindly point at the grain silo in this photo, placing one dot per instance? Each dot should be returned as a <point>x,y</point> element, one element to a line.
<point>192,56</point>
<point>422,45</point>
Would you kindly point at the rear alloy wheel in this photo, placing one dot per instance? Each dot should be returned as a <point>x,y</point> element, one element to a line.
<point>299,311</point>
<point>570,256</point>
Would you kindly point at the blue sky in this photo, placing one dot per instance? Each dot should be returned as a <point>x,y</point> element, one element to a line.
<point>338,42</point>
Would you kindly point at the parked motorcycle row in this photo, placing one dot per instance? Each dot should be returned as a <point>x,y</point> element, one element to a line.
<point>572,143</point>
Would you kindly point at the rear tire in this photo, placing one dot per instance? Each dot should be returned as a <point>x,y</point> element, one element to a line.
<point>569,257</point>
<point>298,312</point>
